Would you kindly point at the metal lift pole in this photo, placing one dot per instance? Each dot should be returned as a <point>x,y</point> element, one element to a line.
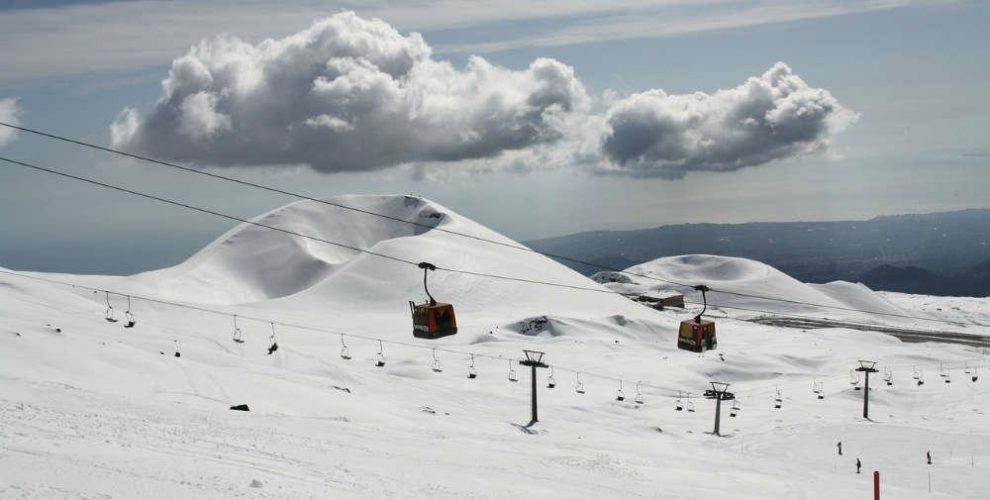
<point>534,360</point>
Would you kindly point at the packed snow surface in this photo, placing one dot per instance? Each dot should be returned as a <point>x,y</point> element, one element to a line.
<point>89,409</point>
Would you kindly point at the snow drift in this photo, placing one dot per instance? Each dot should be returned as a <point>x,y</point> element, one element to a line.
<point>756,286</point>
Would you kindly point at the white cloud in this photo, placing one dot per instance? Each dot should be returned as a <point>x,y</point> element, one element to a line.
<point>10,112</point>
<point>352,94</point>
<point>346,94</point>
<point>770,117</point>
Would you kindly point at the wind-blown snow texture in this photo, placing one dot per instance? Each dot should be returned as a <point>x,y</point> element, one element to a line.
<point>99,411</point>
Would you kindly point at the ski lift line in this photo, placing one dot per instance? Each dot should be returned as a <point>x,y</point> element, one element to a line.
<point>294,233</point>
<point>306,197</point>
<point>427,226</point>
<point>296,326</point>
<point>322,240</point>
<point>664,389</point>
<point>836,380</point>
<point>398,259</point>
<point>203,210</point>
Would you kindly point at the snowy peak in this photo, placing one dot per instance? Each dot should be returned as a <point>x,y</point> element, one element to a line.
<point>251,263</point>
<point>754,284</point>
<point>348,281</point>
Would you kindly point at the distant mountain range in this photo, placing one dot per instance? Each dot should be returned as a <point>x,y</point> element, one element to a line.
<point>944,253</point>
<point>974,282</point>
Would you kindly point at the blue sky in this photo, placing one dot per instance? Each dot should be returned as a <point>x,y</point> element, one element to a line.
<point>916,73</point>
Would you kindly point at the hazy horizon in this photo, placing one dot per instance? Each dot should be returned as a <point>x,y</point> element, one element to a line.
<point>537,122</point>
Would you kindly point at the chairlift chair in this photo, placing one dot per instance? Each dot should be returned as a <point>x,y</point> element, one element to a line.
<point>975,376</point>
<point>432,319</point>
<point>345,352</point>
<point>512,373</point>
<point>472,371</point>
<point>619,395</point>
<point>274,344</point>
<point>109,314</point>
<point>237,332</point>
<point>178,354</point>
<point>131,320</point>
<point>639,395</point>
<point>678,405</point>
<point>579,385</point>
<point>380,358</point>
<point>436,363</point>
<point>551,381</point>
<point>735,408</point>
<point>690,404</point>
<point>778,400</point>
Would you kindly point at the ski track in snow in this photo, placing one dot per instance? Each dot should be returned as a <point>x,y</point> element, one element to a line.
<point>100,412</point>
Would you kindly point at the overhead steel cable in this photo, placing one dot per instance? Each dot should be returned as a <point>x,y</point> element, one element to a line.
<point>300,196</point>
<point>299,326</point>
<point>406,261</point>
<point>296,233</point>
<point>665,391</point>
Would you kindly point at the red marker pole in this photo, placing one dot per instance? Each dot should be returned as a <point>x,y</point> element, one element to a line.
<point>876,485</point>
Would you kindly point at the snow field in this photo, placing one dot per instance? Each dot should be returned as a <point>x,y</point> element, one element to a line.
<point>99,411</point>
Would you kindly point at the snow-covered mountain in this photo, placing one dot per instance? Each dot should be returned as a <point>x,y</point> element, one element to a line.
<point>89,409</point>
<point>748,277</point>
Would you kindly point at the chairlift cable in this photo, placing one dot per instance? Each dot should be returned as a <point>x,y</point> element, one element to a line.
<point>324,330</point>
<point>414,223</point>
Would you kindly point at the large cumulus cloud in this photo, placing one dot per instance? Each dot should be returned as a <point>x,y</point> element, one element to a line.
<point>770,117</point>
<point>10,112</point>
<point>346,94</point>
<point>352,94</point>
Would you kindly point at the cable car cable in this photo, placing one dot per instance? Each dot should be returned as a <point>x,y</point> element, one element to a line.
<point>427,226</point>
<point>390,257</point>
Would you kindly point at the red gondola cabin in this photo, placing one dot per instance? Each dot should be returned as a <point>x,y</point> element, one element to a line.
<point>432,321</point>
<point>697,335</point>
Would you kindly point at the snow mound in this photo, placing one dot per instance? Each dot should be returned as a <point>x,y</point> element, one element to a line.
<point>251,263</point>
<point>752,284</point>
<point>342,287</point>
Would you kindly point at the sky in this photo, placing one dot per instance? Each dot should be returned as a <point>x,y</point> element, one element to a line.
<point>536,120</point>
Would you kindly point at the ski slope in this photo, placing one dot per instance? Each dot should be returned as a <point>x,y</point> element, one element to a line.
<point>89,409</point>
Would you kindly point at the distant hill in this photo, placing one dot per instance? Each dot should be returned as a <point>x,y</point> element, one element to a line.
<point>974,282</point>
<point>924,253</point>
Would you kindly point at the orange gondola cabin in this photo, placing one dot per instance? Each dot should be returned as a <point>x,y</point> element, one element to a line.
<point>432,319</point>
<point>697,335</point>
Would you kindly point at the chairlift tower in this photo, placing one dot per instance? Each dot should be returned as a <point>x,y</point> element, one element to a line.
<point>534,360</point>
<point>866,367</point>
<point>719,393</point>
